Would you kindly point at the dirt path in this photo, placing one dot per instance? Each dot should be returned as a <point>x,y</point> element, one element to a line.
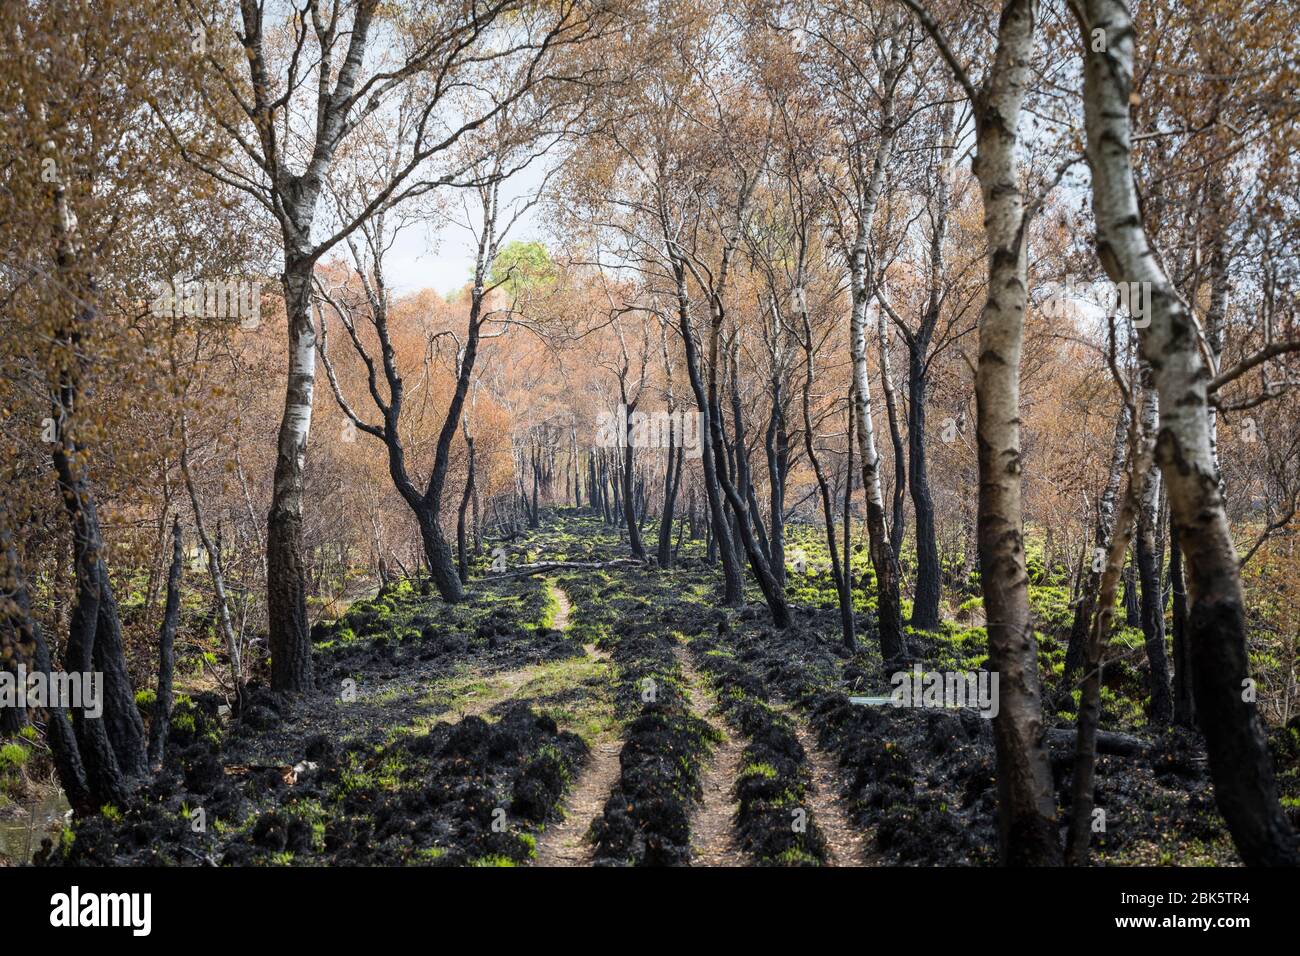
<point>504,685</point>
<point>563,607</point>
<point>713,841</point>
<point>565,843</point>
<point>846,844</point>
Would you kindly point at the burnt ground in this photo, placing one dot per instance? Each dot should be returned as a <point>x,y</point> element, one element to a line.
<point>614,716</point>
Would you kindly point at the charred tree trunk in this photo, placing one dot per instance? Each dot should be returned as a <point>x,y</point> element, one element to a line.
<point>105,781</point>
<point>1184,701</point>
<point>161,720</point>
<point>777,446</point>
<point>744,478</point>
<point>629,488</point>
<point>720,542</point>
<point>1148,560</point>
<point>1132,600</point>
<point>1094,562</point>
<point>22,643</point>
<point>773,594</point>
<point>925,606</point>
<point>462,556</point>
<point>672,484</point>
<point>897,525</point>
<point>838,573</point>
<point>1089,720</point>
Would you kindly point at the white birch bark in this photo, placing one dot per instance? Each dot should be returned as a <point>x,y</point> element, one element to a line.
<point>1239,762</point>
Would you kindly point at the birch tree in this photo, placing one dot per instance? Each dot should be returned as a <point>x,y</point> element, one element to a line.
<point>868,127</point>
<point>1244,785</point>
<point>289,99</point>
<point>1027,819</point>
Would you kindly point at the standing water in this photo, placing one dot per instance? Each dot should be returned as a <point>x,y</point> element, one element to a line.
<point>21,835</point>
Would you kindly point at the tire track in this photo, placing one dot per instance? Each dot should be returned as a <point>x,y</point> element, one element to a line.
<point>713,840</point>
<point>847,844</point>
<point>565,842</point>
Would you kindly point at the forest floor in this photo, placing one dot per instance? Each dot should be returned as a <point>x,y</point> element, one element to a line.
<point>619,716</point>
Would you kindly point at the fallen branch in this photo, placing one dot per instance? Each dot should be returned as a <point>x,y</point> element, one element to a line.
<point>1108,742</point>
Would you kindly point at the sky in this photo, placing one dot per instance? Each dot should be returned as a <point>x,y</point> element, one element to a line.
<point>438,255</point>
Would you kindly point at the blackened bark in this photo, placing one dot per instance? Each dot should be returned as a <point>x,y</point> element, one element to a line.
<point>462,555</point>
<point>1184,701</point>
<point>773,594</point>
<point>121,716</point>
<point>160,723</point>
<point>106,781</point>
<point>534,512</point>
<point>1132,600</point>
<point>839,574</point>
<point>1148,560</point>
<point>1086,606</point>
<point>721,542</point>
<point>286,592</point>
<point>21,636</point>
<point>672,484</point>
<point>629,488</point>
<point>777,445</point>
<point>925,606</point>
<point>897,524</point>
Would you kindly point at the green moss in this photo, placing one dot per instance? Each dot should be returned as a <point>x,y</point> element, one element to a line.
<point>550,605</point>
<point>796,856</point>
<point>13,756</point>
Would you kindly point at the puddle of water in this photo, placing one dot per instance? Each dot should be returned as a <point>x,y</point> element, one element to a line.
<point>20,836</point>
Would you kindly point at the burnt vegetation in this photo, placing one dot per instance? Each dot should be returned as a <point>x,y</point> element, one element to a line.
<point>808,433</point>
